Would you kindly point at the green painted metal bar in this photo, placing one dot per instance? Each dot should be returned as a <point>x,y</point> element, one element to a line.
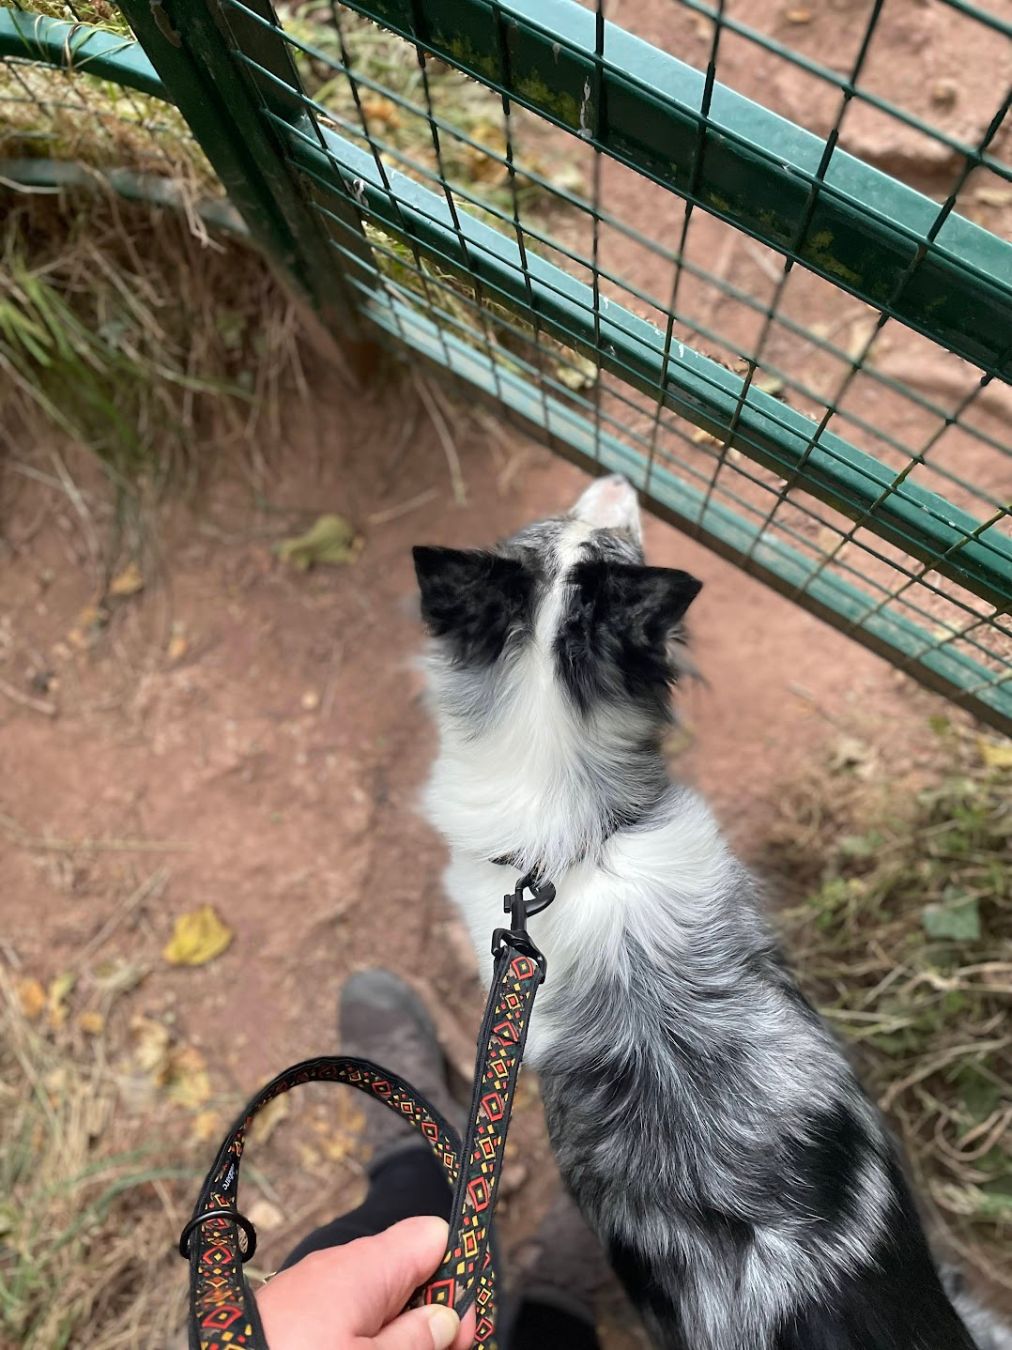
<point>673,498</point>
<point>866,230</point>
<point>921,522</point>
<point>224,109</point>
<point>78,47</point>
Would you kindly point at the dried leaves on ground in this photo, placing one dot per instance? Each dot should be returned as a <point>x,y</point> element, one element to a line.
<point>901,931</point>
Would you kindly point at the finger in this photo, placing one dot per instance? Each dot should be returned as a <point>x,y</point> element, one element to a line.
<point>431,1328</point>
<point>379,1274</point>
<point>465,1336</point>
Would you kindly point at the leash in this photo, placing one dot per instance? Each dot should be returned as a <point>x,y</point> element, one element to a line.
<point>223,1312</point>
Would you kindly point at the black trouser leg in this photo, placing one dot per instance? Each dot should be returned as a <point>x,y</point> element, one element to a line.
<point>412,1182</point>
<point>407,1183</point>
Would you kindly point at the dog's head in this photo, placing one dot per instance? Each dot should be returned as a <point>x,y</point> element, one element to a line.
<point>571,593</point>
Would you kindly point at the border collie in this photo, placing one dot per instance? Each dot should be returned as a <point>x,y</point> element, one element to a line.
<point>704,1117</point>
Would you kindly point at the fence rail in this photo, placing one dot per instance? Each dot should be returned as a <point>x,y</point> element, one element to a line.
<point>880,505</point>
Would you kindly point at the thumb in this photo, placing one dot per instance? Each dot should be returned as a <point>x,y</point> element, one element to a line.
<point>379,1274</point>
<point>431,1328</point>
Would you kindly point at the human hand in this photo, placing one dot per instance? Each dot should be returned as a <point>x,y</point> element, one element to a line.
<point>351,1297</point>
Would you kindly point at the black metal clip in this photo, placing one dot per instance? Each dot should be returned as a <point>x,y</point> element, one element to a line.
<point>520,910</point>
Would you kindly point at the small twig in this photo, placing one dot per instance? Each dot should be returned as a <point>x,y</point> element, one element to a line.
<point>930,1066</point>
<point>403,509</point>
<point>147,890</point>
<point>26,840</point>
<point>442,429</point>
<point>39,705</point>
<point>766,265</point>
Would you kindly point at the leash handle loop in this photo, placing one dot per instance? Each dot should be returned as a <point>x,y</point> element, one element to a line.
<point>222,1307</point>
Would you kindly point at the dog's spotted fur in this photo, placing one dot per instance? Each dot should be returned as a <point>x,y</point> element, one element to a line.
<point>704,1117</point>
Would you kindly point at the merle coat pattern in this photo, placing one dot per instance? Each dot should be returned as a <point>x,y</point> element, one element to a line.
<point>704,1117</point>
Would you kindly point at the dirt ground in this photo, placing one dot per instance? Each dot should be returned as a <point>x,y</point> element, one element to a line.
<point>248,736</point>
<point>237,733</point>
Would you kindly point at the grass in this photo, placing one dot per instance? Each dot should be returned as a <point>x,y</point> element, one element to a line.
<point>123,332</point>
<point>146,339</point>
<point>86,1219</point>
<point>901,932</point>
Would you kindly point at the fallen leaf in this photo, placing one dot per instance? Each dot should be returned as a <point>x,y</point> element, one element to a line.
<point>578,373</point>
<point>32,997</point>
<point>127,582</point>
<point>847,752</point>
<point>265,1215</point>
<point>197,938</point>
<point>207,1126</point>
<point>265,1122</point>
<point>90,622</point>
<point>959,921</point>
<point>91,1022</point>
<point>379,109</point>
<point>56,998</point>
<point>770,384</point>
<point>995,754</point>
<point>151,1047</point>
<point>179,644</point>
<point>330,539</point>
<point>703,437</point>
<point>994,196</point>
<point>187,1082</point>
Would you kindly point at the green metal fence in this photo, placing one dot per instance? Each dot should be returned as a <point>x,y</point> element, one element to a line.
<point>798,358</point>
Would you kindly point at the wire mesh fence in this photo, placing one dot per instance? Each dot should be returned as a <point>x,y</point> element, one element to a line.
<point>789,322</point>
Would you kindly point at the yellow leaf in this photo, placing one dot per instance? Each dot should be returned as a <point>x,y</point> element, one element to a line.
<point>197,938</point>
<point>32,998</point>
<point>265,1215</point>
<point>207,1126</point>
<point>127,582</point>
<point>92,1023</point>
<point>330,539</point>
<point>188,1083</point>
<point>995,754</point>
<point>151,1047</point>
<point>179,644</point>
<point>56,998</point>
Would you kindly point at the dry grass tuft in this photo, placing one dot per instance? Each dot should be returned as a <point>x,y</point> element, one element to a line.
<point>86,1219</point>
<point>137,340</point>
<point>901,931</point>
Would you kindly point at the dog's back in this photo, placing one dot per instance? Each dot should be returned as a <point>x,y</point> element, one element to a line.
<point>706,1120</point>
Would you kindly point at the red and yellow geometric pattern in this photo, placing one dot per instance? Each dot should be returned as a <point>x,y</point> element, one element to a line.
<point>222,1306</point>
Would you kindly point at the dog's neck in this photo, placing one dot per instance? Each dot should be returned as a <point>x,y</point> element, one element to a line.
<point>539,785</point>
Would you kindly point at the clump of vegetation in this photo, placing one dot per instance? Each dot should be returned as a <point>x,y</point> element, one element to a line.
<point>393,110</point>
<point>136,339</point>
<point>901,931</point>
<point>86,1220</point>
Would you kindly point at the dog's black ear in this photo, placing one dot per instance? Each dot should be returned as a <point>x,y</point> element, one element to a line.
<point>620,627</point>
<point>472,599</point>
<point>651,600</point>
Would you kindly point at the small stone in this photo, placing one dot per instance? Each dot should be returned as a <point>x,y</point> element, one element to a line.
<point>310,700</point>
<point>945,93</point>
<point>263,1214</point>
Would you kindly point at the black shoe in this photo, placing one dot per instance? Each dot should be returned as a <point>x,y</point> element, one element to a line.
<point>563,1275</point>
<point>381,1019</point>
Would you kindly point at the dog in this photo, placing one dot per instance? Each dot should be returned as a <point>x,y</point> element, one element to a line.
<point>709,1126</point>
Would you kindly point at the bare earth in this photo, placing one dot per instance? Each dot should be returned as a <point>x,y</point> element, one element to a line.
<point>244,735</point>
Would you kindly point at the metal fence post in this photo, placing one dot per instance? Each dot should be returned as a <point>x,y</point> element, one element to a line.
<point>224,101</point>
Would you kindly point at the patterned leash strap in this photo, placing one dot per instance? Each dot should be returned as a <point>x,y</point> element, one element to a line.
<point>218,1239</point>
